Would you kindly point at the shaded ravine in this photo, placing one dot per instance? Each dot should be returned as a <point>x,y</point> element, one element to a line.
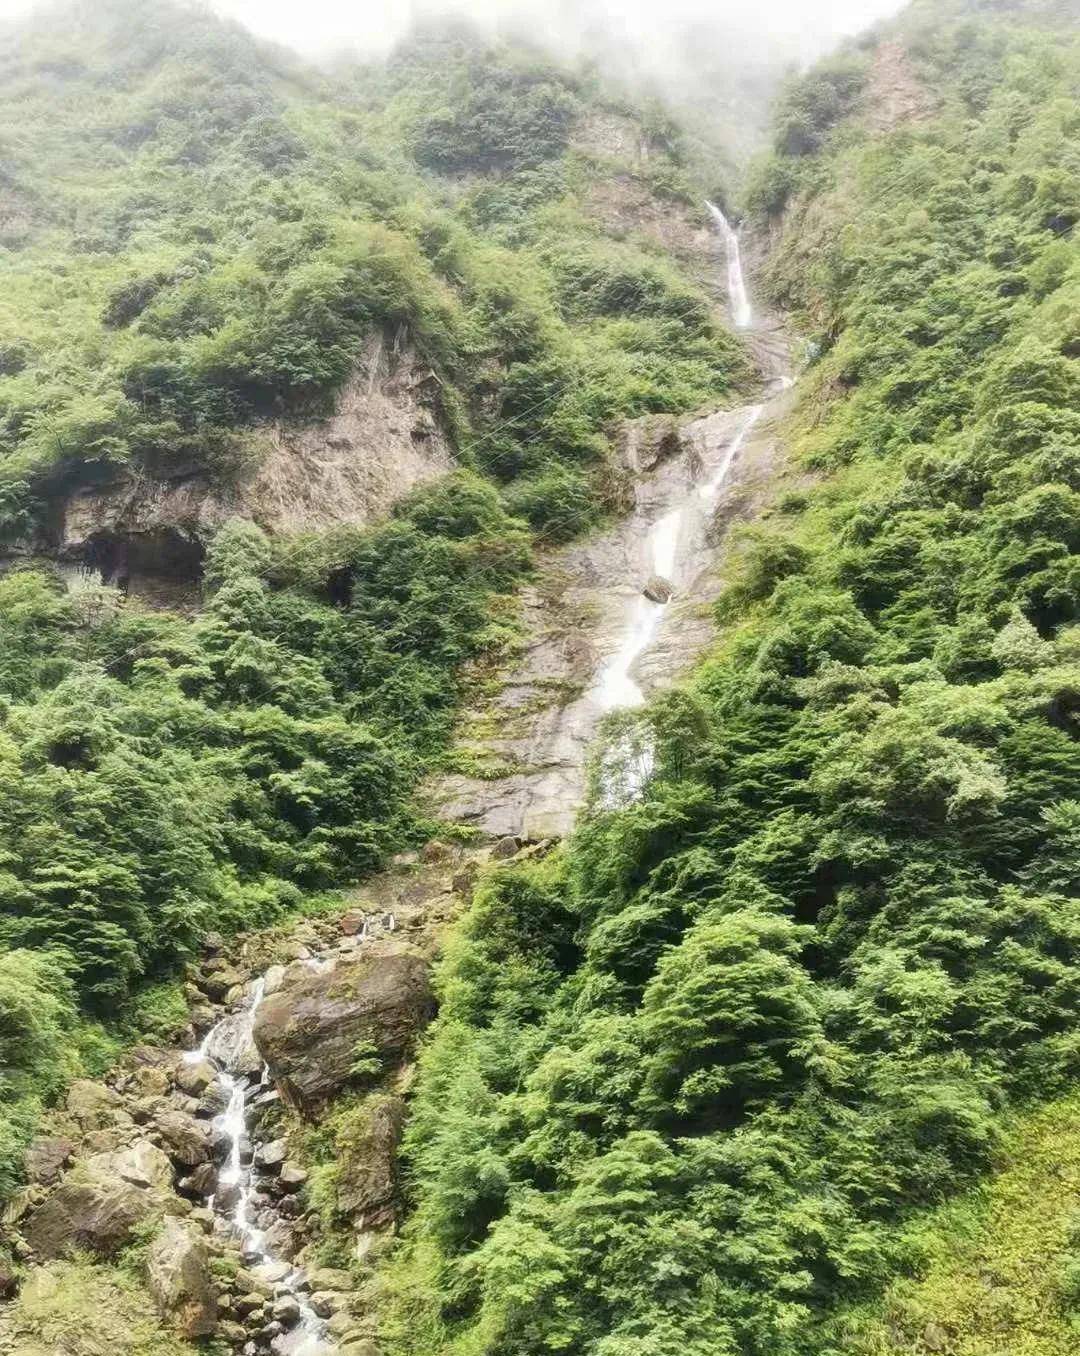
<point>621,615</point>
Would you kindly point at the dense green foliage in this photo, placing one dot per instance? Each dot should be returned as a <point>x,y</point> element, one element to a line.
<point>197,232</point>
<point>692,1073</point>
<point>164,775</point>
<point>998,1269</point>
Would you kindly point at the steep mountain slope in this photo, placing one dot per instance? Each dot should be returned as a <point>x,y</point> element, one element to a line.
<point>237,295</point>
<point>692,1073</point>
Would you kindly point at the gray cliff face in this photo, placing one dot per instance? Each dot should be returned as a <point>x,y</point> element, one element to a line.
<point>384,436</point>
<point>527,744</point>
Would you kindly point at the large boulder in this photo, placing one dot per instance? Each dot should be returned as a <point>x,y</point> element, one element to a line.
<point>366,1177</point>
<point>313,1029</point>
<point>141,1164</point>
<point>87,1215</point>
<point>178,1275</point>
<point>100,1202</point>
<point>187,1140</point>
<point>93,1106</point>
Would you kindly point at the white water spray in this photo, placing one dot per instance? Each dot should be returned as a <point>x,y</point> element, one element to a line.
<point>229,1045</point>
<point>627,763</point>
<point>742,313</point>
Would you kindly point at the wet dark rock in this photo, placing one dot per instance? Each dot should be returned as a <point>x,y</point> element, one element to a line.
<point>226,1197</point>
<point>9,1281</point>
<point>309,1031</point>
<point>289,1207</point>
<point>202,1181</point>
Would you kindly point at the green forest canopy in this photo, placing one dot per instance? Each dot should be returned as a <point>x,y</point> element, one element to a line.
<point>694,1073</point>
<point>198,232</point>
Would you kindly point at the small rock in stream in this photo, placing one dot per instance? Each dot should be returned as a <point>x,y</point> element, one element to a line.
<point>287,1310</point>
<point>271,1156</point>
<point>659,590</point>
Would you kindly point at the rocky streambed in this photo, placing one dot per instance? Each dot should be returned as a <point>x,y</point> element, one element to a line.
<point>191,1148</point>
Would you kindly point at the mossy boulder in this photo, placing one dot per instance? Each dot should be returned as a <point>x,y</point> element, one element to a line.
<point>310,1030</point>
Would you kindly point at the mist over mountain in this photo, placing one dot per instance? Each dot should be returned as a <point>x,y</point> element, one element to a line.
<point>539,679</point>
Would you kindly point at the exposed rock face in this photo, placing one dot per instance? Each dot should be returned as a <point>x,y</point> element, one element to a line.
<point>366,1176</point>
<point>47,1158</point>
<point>178,1274</point>
<point>309,1031</point>
<point>644,443</point>
<point>384,436</point>
<point>97,1206</point>
<point>894,94</point>
<point>141,1165</point>
<point>534,734</point>
<point>87,1215</point>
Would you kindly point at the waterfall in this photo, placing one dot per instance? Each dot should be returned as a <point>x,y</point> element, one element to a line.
<point>615,688</point>
<point>229,1046</point>
<point>742,313</point>
<point>626,763</point>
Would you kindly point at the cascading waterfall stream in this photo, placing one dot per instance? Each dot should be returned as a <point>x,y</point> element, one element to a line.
<point>628,763</point>
<point>228,1046</point>
<point>742,313</point>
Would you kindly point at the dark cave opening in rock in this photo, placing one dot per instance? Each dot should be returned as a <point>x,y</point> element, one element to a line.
<point>164,566</point>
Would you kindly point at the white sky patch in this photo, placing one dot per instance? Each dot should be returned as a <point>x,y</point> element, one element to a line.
<point>320,26</point>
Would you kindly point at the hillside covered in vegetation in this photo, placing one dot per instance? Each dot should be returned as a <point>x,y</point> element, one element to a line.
<point>697,1076</point>
<point>199,236</point>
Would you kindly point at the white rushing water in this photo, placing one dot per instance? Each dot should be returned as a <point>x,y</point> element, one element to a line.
<point>230,1047</point>
<point>742,313</point>
<point>627,763</point>
<point>615,688</point>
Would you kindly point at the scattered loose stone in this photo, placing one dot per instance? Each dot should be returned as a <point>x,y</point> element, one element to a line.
<point>505,848</point>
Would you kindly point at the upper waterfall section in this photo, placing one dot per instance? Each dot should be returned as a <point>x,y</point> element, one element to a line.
<point>742,313</point>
